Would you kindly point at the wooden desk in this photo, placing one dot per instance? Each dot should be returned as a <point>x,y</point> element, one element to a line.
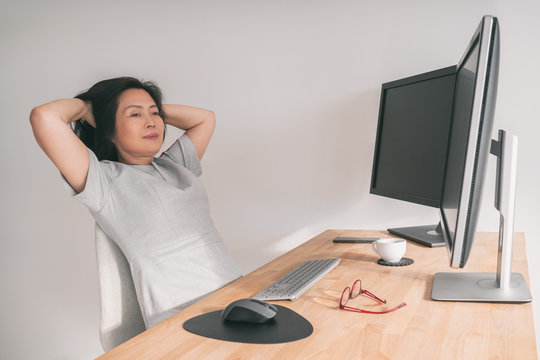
<point>424,329</point>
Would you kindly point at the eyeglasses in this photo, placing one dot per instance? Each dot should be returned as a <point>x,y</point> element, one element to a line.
<point>354,291</point>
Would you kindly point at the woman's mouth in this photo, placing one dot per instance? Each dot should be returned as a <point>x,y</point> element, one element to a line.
<point>152,136</point>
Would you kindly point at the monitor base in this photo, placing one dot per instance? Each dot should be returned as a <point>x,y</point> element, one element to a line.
<point>479,287</point>
<point>426,235</point>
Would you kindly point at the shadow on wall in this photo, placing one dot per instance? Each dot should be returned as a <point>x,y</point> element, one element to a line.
<point>292,172</point>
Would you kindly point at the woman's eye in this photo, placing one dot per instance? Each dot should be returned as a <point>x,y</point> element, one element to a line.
<point>135,115</point>
<point>156,113</point>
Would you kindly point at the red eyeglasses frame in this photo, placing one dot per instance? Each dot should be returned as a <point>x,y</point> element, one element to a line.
<point>351,295</point>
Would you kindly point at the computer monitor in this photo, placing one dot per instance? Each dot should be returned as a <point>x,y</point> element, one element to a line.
<point>468,150</point>
<point>411,145</point>
<point>470,137</point>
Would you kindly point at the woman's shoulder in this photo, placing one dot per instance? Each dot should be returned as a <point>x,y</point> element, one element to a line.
<point>110,167</point>
<point>183,153</point>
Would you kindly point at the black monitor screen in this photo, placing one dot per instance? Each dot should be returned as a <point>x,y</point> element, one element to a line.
<point>412,137</point>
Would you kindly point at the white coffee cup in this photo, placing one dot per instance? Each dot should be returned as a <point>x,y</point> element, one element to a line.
<point>390,249</point>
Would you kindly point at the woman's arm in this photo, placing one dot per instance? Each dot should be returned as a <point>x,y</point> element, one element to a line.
<point>198,123</point>
<point>50,123</point>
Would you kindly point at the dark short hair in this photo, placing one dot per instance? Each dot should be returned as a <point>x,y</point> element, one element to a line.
<point>104,99</point>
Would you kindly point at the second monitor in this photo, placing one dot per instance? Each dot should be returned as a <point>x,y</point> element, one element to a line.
<point>411,145</point>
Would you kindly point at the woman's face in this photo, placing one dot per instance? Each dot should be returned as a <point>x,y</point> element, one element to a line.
<point>139,130</point>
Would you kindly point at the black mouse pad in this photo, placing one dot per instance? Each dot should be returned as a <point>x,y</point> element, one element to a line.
<point>286,326</point>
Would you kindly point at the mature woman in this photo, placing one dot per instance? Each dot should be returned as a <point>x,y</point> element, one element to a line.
<point>156,209</point>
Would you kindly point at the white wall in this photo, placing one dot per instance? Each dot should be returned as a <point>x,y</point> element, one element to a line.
<point>295,86</point>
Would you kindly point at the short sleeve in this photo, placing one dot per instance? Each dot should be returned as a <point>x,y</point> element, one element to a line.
<point>98,184</point>
<point>183,152</point>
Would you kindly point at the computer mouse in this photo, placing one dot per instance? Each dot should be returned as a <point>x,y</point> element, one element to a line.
<point>249,311</point>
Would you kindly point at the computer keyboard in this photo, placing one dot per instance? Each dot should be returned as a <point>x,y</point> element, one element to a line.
<point>298,281</point>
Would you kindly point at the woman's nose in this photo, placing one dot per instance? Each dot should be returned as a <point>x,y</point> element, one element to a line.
<point>150,122</point>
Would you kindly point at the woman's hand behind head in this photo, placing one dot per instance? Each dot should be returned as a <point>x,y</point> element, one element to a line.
<point>89,115</point>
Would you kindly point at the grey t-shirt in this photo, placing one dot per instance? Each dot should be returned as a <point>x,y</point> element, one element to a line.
<point>159,216</point>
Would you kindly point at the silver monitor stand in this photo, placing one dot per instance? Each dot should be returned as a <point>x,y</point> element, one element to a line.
<point>503,286</point>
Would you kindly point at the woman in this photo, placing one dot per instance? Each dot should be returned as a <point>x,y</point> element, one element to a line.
<point>155,209</point>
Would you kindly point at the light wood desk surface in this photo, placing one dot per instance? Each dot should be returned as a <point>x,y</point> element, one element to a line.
<point>424,329</point>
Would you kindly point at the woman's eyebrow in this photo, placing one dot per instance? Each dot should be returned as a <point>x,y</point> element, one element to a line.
<point>138,106</point>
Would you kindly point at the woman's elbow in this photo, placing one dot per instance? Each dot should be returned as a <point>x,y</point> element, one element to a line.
<point>36,116</point>
<point>211,118</point>
<point>40,120</point>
